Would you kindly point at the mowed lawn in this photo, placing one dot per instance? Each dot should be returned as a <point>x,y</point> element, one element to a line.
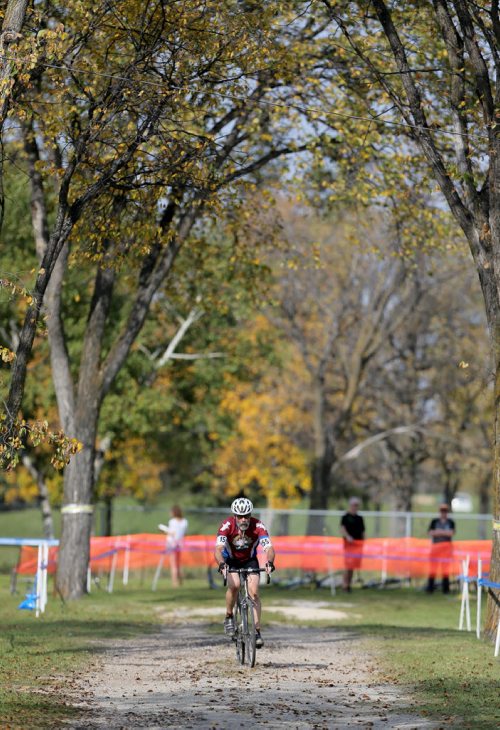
<point>450,674</point>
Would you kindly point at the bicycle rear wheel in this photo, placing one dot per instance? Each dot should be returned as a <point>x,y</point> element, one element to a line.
<point>249,634</point>
<point>239,634</point>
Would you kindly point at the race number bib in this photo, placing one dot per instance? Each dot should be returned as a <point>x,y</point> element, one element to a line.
<point>265,543</point>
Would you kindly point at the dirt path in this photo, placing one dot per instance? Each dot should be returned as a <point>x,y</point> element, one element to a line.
<point>187,677</point>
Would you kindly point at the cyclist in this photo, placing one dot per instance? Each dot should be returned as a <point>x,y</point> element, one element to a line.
<point>236,547</point>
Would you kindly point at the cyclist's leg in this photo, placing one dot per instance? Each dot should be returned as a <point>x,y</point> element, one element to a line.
<point>233,585</point>
<point>253,590</point>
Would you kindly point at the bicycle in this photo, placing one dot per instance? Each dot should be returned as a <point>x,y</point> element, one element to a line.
<point>244,617</point>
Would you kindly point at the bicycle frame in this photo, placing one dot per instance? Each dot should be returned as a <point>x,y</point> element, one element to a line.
<point>244,619</point>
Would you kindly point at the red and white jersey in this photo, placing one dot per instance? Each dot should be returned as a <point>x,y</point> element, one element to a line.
<point>242,547</point>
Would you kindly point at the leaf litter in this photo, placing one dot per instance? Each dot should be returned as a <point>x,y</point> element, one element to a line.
<point>186,676</point>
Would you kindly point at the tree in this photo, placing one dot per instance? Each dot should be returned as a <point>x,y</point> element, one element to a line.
<point>436,383</point>
<point>441,89</point>
<point>145,118</point>
<point>34,477</point>
<point>261,455</point>
<point>406,391</point>
<point>462,381</point>
<point>158,421</point>
<point>12,25</point>
<point>339,307</point>
<point>167,398</point>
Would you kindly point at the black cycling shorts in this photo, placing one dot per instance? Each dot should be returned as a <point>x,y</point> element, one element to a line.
<point>251,563</point>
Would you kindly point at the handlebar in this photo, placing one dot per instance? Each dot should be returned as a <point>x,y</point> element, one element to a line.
<point>245,571</point>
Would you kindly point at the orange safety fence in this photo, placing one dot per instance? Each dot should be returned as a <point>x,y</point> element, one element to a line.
<point>401,557</point>
<point>408,557</point>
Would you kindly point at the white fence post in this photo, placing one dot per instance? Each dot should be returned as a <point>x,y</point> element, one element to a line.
<point>465,607</point>
<point>111,578</point>
<point>38,581</point>
<point>126,562</point>
<point>156,576</point>
<point>45,573</point>
<point>383,573</point>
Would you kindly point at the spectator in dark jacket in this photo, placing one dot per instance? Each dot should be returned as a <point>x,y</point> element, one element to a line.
<point>352,527</point>
<point>441,531</point>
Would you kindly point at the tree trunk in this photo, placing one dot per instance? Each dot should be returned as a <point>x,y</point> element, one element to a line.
<point>76,513</point>
<point>493,610</point>
<point>403,503</point>
<point>451,484</point>
<point>321,481</point>
<point>43,492</point>
<point>323,461</point>
<point>108,515</point>
<point>13,22</point>
<point>95,379</point>
<point>11,29</point>
<point>46,510</point>
<point>79,475</point>
<point>484,507</point>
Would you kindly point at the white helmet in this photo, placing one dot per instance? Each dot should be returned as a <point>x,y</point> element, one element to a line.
<point>241,507</point>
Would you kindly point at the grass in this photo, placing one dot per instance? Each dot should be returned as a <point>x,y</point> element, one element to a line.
<point>39,657</point>
<point>414,636</point>
<point>450,672</point>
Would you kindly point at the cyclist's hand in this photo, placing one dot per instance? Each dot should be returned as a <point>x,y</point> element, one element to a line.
<point>222,568</point>
<point>270,566</point>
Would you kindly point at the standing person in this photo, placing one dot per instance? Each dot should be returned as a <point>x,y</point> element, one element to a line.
<point>352,527</point>
<point>236,547</point>
<point>441,531</point>
<point>175,531</point>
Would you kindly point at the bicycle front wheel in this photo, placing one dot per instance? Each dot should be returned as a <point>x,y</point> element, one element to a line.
<point>239,634</point>
<point>249,634</point>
